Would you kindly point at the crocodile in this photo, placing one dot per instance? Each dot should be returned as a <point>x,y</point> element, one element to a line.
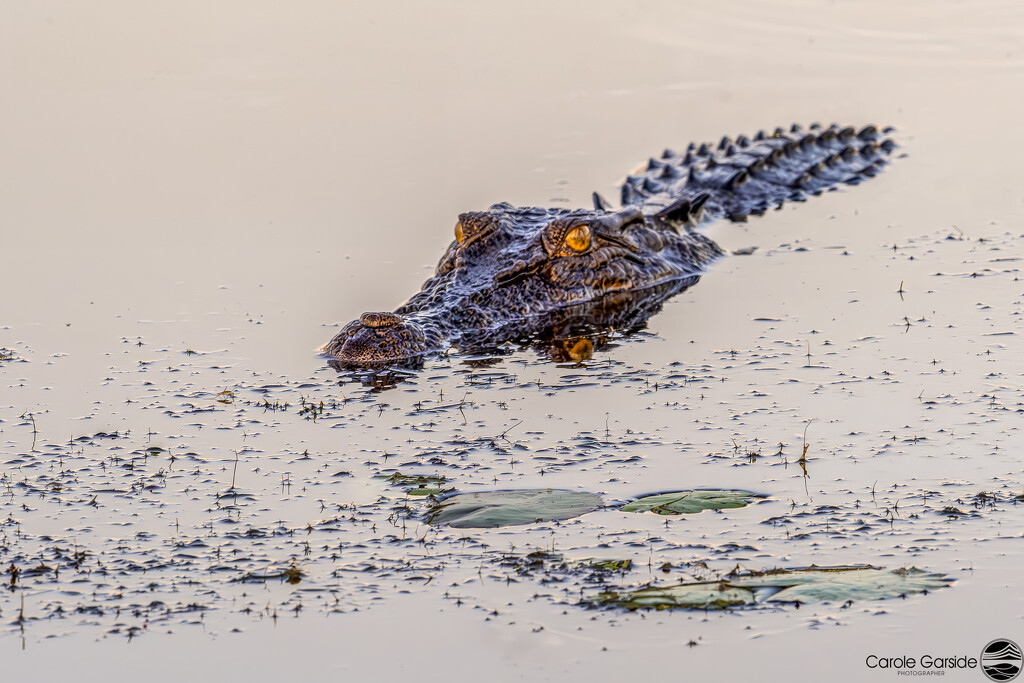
<point>519,274</point>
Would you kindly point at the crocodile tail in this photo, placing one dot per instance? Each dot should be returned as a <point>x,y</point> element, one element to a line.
<point>751,175</point>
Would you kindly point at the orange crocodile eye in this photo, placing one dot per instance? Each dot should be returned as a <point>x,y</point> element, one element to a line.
<point>459,236</point>
<point>578,238</point>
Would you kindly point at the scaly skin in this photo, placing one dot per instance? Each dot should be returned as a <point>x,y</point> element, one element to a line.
<point>521,274</point>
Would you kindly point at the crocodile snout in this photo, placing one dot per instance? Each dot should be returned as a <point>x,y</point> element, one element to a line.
<point>382,337</point>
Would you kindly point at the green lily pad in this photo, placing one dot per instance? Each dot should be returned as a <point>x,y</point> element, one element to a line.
<point>425,491</point>
<point>803,585</point>
<point>607,565</point>
<point>491,509</point>
<point>839,584</point>
<point>689,502</point>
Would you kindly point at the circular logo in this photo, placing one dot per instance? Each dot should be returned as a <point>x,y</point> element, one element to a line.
<point>1001,660</point>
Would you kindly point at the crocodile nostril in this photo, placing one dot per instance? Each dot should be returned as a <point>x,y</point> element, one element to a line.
<point>381,319</point>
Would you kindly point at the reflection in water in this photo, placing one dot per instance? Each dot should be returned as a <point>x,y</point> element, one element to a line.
<point>574,332</point>
<point>378,378</point>
<point>569,334</point>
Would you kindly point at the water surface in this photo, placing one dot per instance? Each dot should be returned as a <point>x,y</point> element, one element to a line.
<point>195,197</point>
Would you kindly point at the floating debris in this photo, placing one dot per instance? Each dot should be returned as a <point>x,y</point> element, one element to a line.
<point>417,484</point>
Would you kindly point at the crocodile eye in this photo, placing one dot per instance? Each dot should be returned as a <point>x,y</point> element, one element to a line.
<point>578,238</point>
<point>459,236</point>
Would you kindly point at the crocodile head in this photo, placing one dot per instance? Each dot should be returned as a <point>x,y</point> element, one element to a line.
<point>513,273</point>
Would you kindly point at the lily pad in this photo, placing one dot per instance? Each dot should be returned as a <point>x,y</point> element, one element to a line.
<point>690,502</point>
<point>839,584</point>
<point>802,585</point>
<point>696,595</point>
<point>491,509</point>
<point>425,491</point>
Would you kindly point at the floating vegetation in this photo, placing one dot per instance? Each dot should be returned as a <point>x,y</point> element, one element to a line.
<point>417,484</point>
<point>607,565</point>
<point>198,489</point>
<point>290,574</point>
<point>838,584</point>
<point>552,566</point>
<point>690,502</point>
<point>491,509</point>
<point>426,491</point>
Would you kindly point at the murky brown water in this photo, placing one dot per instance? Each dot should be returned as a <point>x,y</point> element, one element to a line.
<point>236,181</point>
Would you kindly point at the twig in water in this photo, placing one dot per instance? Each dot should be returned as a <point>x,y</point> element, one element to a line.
<point>31,418</point>
<point>502,435</point>
<point>233,472</point>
